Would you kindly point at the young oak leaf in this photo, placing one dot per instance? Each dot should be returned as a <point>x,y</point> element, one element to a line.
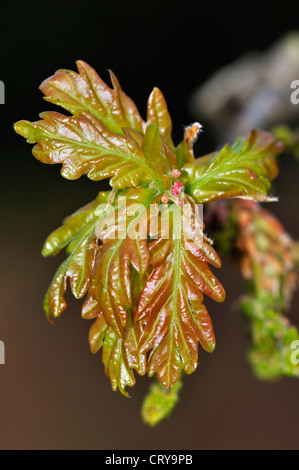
<point>83,146</point>
<point>157,113</point>
<point>86,93</point>
<point>242,170</point>
<point>77,268</point>
<point>266,251</point>
<point>119,355</point>
<point>152,147</point>
<point>267,259</point>
<point>123,234</point>
<point>72,225</point>
<point>170,306</point>
<point>104,137</point>
<point>159,403</point>
<point>77,234</point>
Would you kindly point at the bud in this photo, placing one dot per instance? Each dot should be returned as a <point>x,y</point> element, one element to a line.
<point>191,133</point>
<point>175,173</point>
<point>176,188</point>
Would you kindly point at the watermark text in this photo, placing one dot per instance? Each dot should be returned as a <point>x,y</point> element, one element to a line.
<point>295,94</point>
<point>2,352</point>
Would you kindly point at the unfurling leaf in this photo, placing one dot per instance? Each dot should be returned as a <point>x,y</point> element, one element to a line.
<point>159,402</point>
<point>77,268</point>
<point>272,337</point>
<point>78,232</point>
<point>119,354</point>
<point>290,137</point>
<point>242,170</point>
<point>72,225</point>
<point>158,114</point>
<point>267,252</point>
<point>267,262</point>
<point>123,233</point>
<point>170,306</point>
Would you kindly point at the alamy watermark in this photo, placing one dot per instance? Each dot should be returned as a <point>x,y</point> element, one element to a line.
<point>2,352</point>
<point>2,92</point>
<point>295,94</point>
<point>295,353</point>
<point>156,221</point>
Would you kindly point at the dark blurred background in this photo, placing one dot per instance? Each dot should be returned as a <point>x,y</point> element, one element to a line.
<point>53,392</point>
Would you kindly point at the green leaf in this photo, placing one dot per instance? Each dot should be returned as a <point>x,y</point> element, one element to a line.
<point>77,234</point>
<point>72,225</point>
<point>242,170</point>
<point>170,306</point>
<point>154,149</point>
<point>158,114</point>
<point>77,268</point>
<point>268,264</point>
<point>289,137</point>
<point>273,336</point>
<point>83,146</point>
<point>160,402</point>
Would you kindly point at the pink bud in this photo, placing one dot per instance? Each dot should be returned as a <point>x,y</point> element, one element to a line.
<point>165,199</point>
<point>176,188</point>
<point>180,202</point>
<point>175,173</point>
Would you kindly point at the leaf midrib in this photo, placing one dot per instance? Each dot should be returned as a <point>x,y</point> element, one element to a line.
<point>227,165</point>
<point>92,111</point>
<point>116,153</point>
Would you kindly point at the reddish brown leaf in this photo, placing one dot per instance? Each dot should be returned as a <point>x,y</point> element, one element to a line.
<point>87,93</point>
<point>170,306</point>
<point>83,146</point>
<point>123,233</point>
<point>119,355</point>
<point>158,114</point>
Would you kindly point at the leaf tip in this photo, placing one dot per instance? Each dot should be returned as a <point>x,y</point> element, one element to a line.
<point>210,347</point>
<point>114,79</point>
<point>21,127</point>
<point>46,251</point>
<point>159,403</point>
